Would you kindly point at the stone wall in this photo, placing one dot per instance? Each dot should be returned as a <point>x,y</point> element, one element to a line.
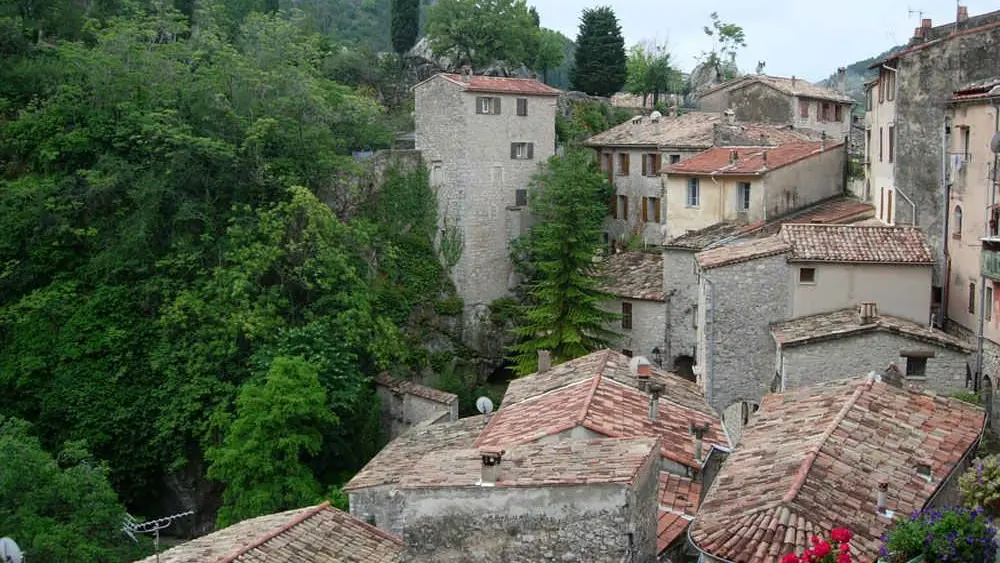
<point>402,409</point>
<point>524,525</point>
<point>806,182</point>
<point>383,504</point>
<point>643,510</point>
<point>849,356</point>
<point>635,186</point>
<point>749,297</point>
<point>648,326</point>
<point>680,285</point>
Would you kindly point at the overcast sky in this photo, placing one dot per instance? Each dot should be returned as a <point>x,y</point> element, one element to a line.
<point>794,37</point>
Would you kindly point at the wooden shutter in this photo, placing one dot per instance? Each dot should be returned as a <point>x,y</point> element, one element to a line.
<point>645,214</point>
<point>644,170</point>
<point>625,207</point>
<point>531,151</point>
<point>479,104</point>
<point>613,208</point>
<point>657,163</point>
<point>513,150</point>
<point>656,209</point>
<point>625,165</point>
<point>496,106</point>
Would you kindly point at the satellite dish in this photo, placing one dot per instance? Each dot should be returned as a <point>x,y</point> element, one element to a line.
<point>995,142</point>
<point>484,404</point>
<point>9,552</point>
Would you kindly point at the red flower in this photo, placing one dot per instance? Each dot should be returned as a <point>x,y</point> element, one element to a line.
<point>844,557</point>
<point>790,558</point>
<point>822,549</point>
<point>845,548</point>
<point>841,535</point>
<point>815,540</point>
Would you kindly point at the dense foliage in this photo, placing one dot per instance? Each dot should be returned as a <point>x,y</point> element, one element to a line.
<point>599,64</point>
<point>650,73</point>
<point>481,33</point>
<point>405,24</point>
<point>183,216</point>
<point>562,311</point>
<point>946,534</point>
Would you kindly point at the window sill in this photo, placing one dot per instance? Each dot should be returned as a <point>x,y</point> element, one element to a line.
<point>807,283</point>
<point>693,206</point>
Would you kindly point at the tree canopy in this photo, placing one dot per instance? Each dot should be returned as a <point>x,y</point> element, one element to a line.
<point>405,24</point>
<point>727,39</point>
<point>650,72</point>
<point>599,64</point>
<point>480,33</point>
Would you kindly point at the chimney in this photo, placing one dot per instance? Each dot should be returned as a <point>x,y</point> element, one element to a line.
<point>918,33</point>
<point>883,491</point>
<point>793,81</point>
<point>643,371</point>
<point>466,73</point>
<point>925,23</point>
<point>822,141</point>
<point>699,434</point>
<point>491,466</point>
<point>842,80</point>
<point>892,376</point>
<point>544,361</point>
<point>962,15</point>
<point>733,157</point>
<point>654,400</point>
<point>730,116</point>
<point>867,312</point>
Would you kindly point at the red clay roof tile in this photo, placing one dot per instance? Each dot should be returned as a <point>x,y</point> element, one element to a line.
<point>503,85</point>
<point>857,243</point>
<point>748,161</point>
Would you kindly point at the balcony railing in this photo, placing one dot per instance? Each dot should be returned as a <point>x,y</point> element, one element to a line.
<point>989,264</point>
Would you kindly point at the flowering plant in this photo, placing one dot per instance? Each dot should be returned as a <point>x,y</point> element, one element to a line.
<point>959,535</point>
<point>837,550</point>
<point>980,484</point>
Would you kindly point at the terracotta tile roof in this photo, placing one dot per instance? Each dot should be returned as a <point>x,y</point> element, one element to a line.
<point>846,322</point>
<point>634,275</point>
<point>838,209</point>
<point>678,505</point>
<point>811,461</point>
<point>792,86</point>
<point>611,408</point>
<point>858,244</point>
<point>568,462</point>
<point>749,160</point>
<point>741,252</point>
<point>320,534</point>
<point>396,460</point>
<point>411,388</point>
<point>691,130</point>
<point>981,90</point>
<point>503,85</point>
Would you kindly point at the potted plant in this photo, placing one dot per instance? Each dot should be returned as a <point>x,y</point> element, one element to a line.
<point>958,535</point>
<point>836,550</point>
<point>980,484</point>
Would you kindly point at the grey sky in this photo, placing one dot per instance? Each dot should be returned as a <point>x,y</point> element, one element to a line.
<point>794,37</point>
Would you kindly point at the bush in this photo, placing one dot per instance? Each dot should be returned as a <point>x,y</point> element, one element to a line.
<point>449,306</point>
<point>956,534</point>
<point>968,397</point>
<point>980,483</point>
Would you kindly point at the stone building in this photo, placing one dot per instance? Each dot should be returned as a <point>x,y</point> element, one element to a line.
<point>775,100</point>
<point>406,404</point>
<point>909,120</point>
<point>859,340</point>
<point>635,279</point>
<point>483,139</point>
<point>602,400</point>
<point>882,450</point>
<point>806,269</point>
<point>679,267</point>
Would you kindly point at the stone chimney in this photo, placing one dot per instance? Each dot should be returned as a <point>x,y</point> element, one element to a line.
<point>793,81</point>
<point>654,400</point>
<point>923,32</point>
<point>730,116</point>
<point>643,371</point>
<point>962,15</point>
<point>544,361</point>
<point>867,312</point>
<point>842,80</point>
<point>699,435</point>
<point>491,466</point>
<point>733,157</point>
<point>466,73</point>
<point>883,492</point>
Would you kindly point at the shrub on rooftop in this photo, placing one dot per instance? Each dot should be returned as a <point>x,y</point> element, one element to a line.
<point>958,535</point>
<point>980,484</point>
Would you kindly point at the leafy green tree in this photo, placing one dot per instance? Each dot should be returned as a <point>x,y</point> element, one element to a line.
<point>481,33</point>
<point>562,312</point>
<point>727,39</point>
<point>549,52</point>
<point>599,65</point>
<point>58,511</point>
<point>278,424</point>
<point>405,24</point>
<point>534,16</point>
<point>650,73</point>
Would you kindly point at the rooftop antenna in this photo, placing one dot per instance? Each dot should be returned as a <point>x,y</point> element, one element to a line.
<point>131,527</point>
<point>484,405</point>
<point>9,552</point>
<point>920,13</point>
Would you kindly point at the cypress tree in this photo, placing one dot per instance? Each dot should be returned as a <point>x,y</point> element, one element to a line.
<point>600,65</point>
<point>405,24</point>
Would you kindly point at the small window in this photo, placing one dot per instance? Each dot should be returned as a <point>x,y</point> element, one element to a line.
<point>804,109</point>
<point>972,297</point>
<point>807,275</point>
<point>838,113</point>
<point>623,207</point>
<point>916,366</point>
<point>522,151</point>
<point>521,198</point>
<point>675,158</point>
<point>522,107</point>
<point>890,86</point>
<point>606,238</point>
<point>880,139</point>
<point>626,316</point>
<point>623,164</point>
<point>651,209</point>
<point>651,164</point>
<point>956,226</point>
<point>825,112</point>
<point>487,106</point>
<point>988,303</point>
<point>892,141</point>
<point>693,192</point>
<point>743,197</point>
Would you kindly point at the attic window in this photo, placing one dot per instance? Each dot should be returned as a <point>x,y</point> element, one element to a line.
<point>807,275</point>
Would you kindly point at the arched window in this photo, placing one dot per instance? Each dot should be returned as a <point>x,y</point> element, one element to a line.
<point>956,227</point>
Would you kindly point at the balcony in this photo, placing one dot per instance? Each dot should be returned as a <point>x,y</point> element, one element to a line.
<point>989,263</point>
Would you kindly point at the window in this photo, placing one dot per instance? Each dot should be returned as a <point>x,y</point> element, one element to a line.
<point>892,139</point>
<point>804,109</point>
<point>623,206</point>
<point>880,144</point>
<point>972,297</point>
<point>956,223</point>
<point>488,106</point>
<point>651,209</point>
<point>838,113</point>
<point>522,151</point>
<point>881,203</point>
<point>651,164</point>
<point>522,107</point>
<point>626,352</point>
<point>623,164</point>
<point>966,139</point>
<point>626,316</point>
<point>694,316</point>
<point>743,196</point>
<point>889,217</point>
<point>675,158</point>
<point>521,198</point>
<point>988,303</point>
<point>807,275</point>
<point>693,192</point>
<point>890,85</point>
<point>881,87</point>
<point>868,99</point>
<point>916,366</point>
<point>607,163</point>
<point>606,238</point>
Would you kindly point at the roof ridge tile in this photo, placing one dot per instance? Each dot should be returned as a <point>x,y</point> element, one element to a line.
<point>295,521</point>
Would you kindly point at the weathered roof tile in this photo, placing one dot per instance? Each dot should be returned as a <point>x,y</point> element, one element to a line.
<point>846,322</point>
<point>857,243</point>
<point>634,275</point>
<point>792,86</point>
<point>503,85</point>
<point>411,388</point>
<point>748,161</point>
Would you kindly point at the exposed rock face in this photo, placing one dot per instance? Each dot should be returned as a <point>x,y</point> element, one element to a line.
<point>702,77</point>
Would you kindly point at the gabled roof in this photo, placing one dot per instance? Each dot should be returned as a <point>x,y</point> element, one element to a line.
<point>634,275</point>
<point>748,161</point>
<point>608,407</point>
<point>791,86</point>
<point>846,322</point>
<point>411,388</point>
<point>498,85</point>
<point>678,505</point>
<point>319,534</point>
<point>811,461</point>
<point>691,130</point>
<point>857,244</point>
<point>980,91</point>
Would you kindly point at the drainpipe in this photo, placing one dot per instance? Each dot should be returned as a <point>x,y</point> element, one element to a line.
<point>944,264</point>
<point>913,206</point>
<point>710,346</point>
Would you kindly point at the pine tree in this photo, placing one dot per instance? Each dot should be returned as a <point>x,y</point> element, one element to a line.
<point>562,310</point>
<point>405,24</point>
<point>599,68</point>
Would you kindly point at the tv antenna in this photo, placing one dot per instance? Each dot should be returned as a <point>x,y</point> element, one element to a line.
<point>484,405</point>
<point>131,527</point>
<point>9,552</point>
<point>911,11</point>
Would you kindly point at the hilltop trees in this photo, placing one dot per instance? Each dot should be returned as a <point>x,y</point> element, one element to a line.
<point>599,66</point>
<point>727,39</point>
<point>480,33</point>
<point>405,24</point>
<point>650,72</point>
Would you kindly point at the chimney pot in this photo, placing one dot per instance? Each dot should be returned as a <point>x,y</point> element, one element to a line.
<point>918,33</point>
<point>466,73</point>
<point>925,23</point>
<point>883,490</point>
<point>491,465</point>
<point>842,80</point>
<point>963,14</point>
<point>730,116</point>
<point>654,400</point>
<point>733,156</point>
<point>793,81</point>
<point>867,311</point>
<point>544,361</point>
